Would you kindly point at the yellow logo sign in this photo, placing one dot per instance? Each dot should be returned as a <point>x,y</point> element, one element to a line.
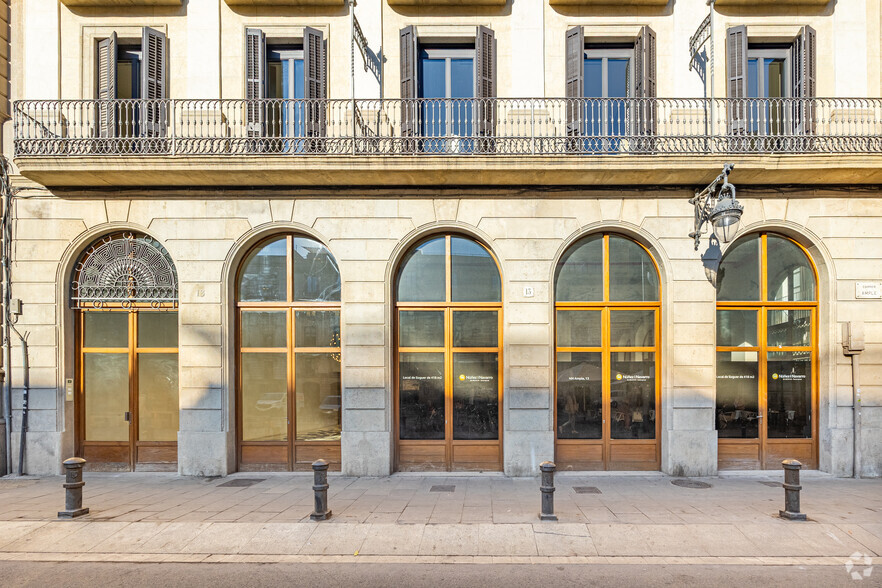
<point>461,377</point>
<point>618,376</point>
<point>774,376</point>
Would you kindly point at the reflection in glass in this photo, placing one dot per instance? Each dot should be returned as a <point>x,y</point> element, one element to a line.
<point>632,274</point>
<point>737,395</point>
<point>264,328</point>
<point>580,272</point>
<point>316,275</point>
<point>421,395</point>
<point>158,407</point>
<point>632,328</point>
<point>105,329</point>
<point>264,397</point>
<point>632,395</point>
<point>474,275</point>
<point>106,380</point>
<point>789,380</point>
<point>318,407</point>
<point>578,328</point>
<point>422,274</point>
<point>263,277</point>
<point>420,328</point>
<point>738,277</point>
<point>790,328</point>
<point>157,329</point>
<point>790,274</point>
<point>475,328</point>
<point>475,396</point>
<point>579,395</point>
<point>736,328</point>
<point>317,328</point>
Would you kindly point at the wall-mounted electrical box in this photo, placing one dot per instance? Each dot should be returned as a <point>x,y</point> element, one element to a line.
<point>852,338</point>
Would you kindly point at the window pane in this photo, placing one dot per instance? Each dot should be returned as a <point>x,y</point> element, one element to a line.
<point>632,275</point>
<point>105,329</point>
<point>580,272</point>
<point>739,275</point>
<point>317,328</point>
<point>475,329</point>
<point>421,395</point>
<point>264,274</point>
<point>475,277</point>
<point>422,274</point>
<point>737,395</point>
<point>774,78</point>
<point>419,328</point>
<point>318,407</point>
<point>632,395</point>
<point>618,82</point>
<point>752,79</point>
<point>275,88</point>
<point>316,276</point>
<point>106,380</point>
<point>790,328</point>
<point>578,328</point>
<point>462,78</point>
<point>736,328</point>
<point>264,328</point>
<point>579,395</point>
<point>432,78</point>
<point>632,328</point>
<point>790,275</point>
<point>264,396</point>
<point>790,395</point>
<point>157,329</point>
<point>158,406</point>
<point>593,78</point>
<point>475,396</point>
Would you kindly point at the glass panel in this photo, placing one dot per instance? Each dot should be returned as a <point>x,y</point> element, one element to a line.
<point>462,85</point>
<point>790,328</point>
<point>105,329</point>
<point>421,395</point>
<point>106,383</point>
<point>475,396</point>
<point>790,274</point>
<point>319,402</point>
<point>317,328</point>
<point>736,328</point>
<point>739,275</point>
<point>579,395</point>
<point>789,395</point>
<point>593,78</point>
<point>432,80</point>
<point>264,274</point>
<point>264,328</point>
<point>632,395</point>
<point>419,328</point>
<point>577,328</point>
<point>157,329</point>
<point>737,395</point>
<point>158,406</point>
<point>264,396</point>
<point>475,329</point>
<point>422,274</point>
<point>580,272</point>
<point>632,328</point>
<point>275,87</point>
<point>474,273</point>
<point>316,276</point>
<point>617,87</point>
<point>632,275</point>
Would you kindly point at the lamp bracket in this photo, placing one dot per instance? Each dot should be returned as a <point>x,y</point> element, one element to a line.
<point>706,200</point>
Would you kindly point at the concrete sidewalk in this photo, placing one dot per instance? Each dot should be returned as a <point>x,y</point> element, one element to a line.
<point>432,519</point>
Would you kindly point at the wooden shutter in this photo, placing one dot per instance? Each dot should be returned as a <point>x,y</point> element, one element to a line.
<point>255,81</point>
<point>485,87</point>
<point>153,83</point>
<point>314,85</point>
<point>106,76</point>
<point>575,79</point>
<point>803,59</point>
<point>408,59</point>
<point>736,68</point>
<point>645,87</point>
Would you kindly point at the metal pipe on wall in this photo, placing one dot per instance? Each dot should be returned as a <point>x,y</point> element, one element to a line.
<point>856,402</point>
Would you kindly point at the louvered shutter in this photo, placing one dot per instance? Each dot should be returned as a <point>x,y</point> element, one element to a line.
<point>575,82</point>
<point>154,119</point>
<point>485,88</point>
<point>255,81</point>
<point>803,59</point>
<point>645,88</point>
<point>408,58</point>
<point>107,87</point>
<point>314,86</point>
<point>736,66</point>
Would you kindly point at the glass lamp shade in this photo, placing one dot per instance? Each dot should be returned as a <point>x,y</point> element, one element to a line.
<point>726,217</point>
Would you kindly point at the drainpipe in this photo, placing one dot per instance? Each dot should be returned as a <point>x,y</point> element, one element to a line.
<point>852,346</point>
<point>712,3</point>
<point>24,401</point>
<point>5,251</point>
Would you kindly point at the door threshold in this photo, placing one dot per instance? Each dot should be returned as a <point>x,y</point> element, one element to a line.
<point>611,473</point>
<point>437,474</point>
<point>770,474</point>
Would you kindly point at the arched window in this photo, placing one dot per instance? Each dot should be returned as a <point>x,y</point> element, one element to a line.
<point>289,387</point>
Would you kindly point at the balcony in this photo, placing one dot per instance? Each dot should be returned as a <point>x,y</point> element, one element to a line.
<point>504,141</point>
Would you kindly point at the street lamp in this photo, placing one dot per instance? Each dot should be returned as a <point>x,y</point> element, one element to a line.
<point>716,204</point>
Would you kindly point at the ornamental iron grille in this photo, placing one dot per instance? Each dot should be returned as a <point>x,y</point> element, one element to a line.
<point>127,270</point>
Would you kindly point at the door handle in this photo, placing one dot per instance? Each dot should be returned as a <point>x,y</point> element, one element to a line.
<point>128,417</point>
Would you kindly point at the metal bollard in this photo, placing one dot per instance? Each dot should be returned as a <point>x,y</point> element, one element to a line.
<point>791,491</point>
<point>73,485</point>
<point>320,486</point>
<point>547,487</point>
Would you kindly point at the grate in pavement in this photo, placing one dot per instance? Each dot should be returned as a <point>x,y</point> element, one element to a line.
<point>770,484</point>
<point>586,490</point>
<point>691,484</point>
<point>442,488</point>
<point>241,483</point>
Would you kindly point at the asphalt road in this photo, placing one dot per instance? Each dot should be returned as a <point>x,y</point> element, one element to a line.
<point>219,575</point>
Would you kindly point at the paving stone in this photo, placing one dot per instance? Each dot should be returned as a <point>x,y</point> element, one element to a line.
<point>390,539</point>
<point>279,538</point>
<point>335,539</point>
<point>563,539</point>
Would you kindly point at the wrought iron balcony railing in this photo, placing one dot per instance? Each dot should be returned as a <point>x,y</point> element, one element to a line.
<point>451,127</point>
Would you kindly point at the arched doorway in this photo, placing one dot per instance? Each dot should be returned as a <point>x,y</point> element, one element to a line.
<point>448,361</point>
<point>124,292</point>
<point>767,312</point>
<point>607,348</point>
<point>289,399</point>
